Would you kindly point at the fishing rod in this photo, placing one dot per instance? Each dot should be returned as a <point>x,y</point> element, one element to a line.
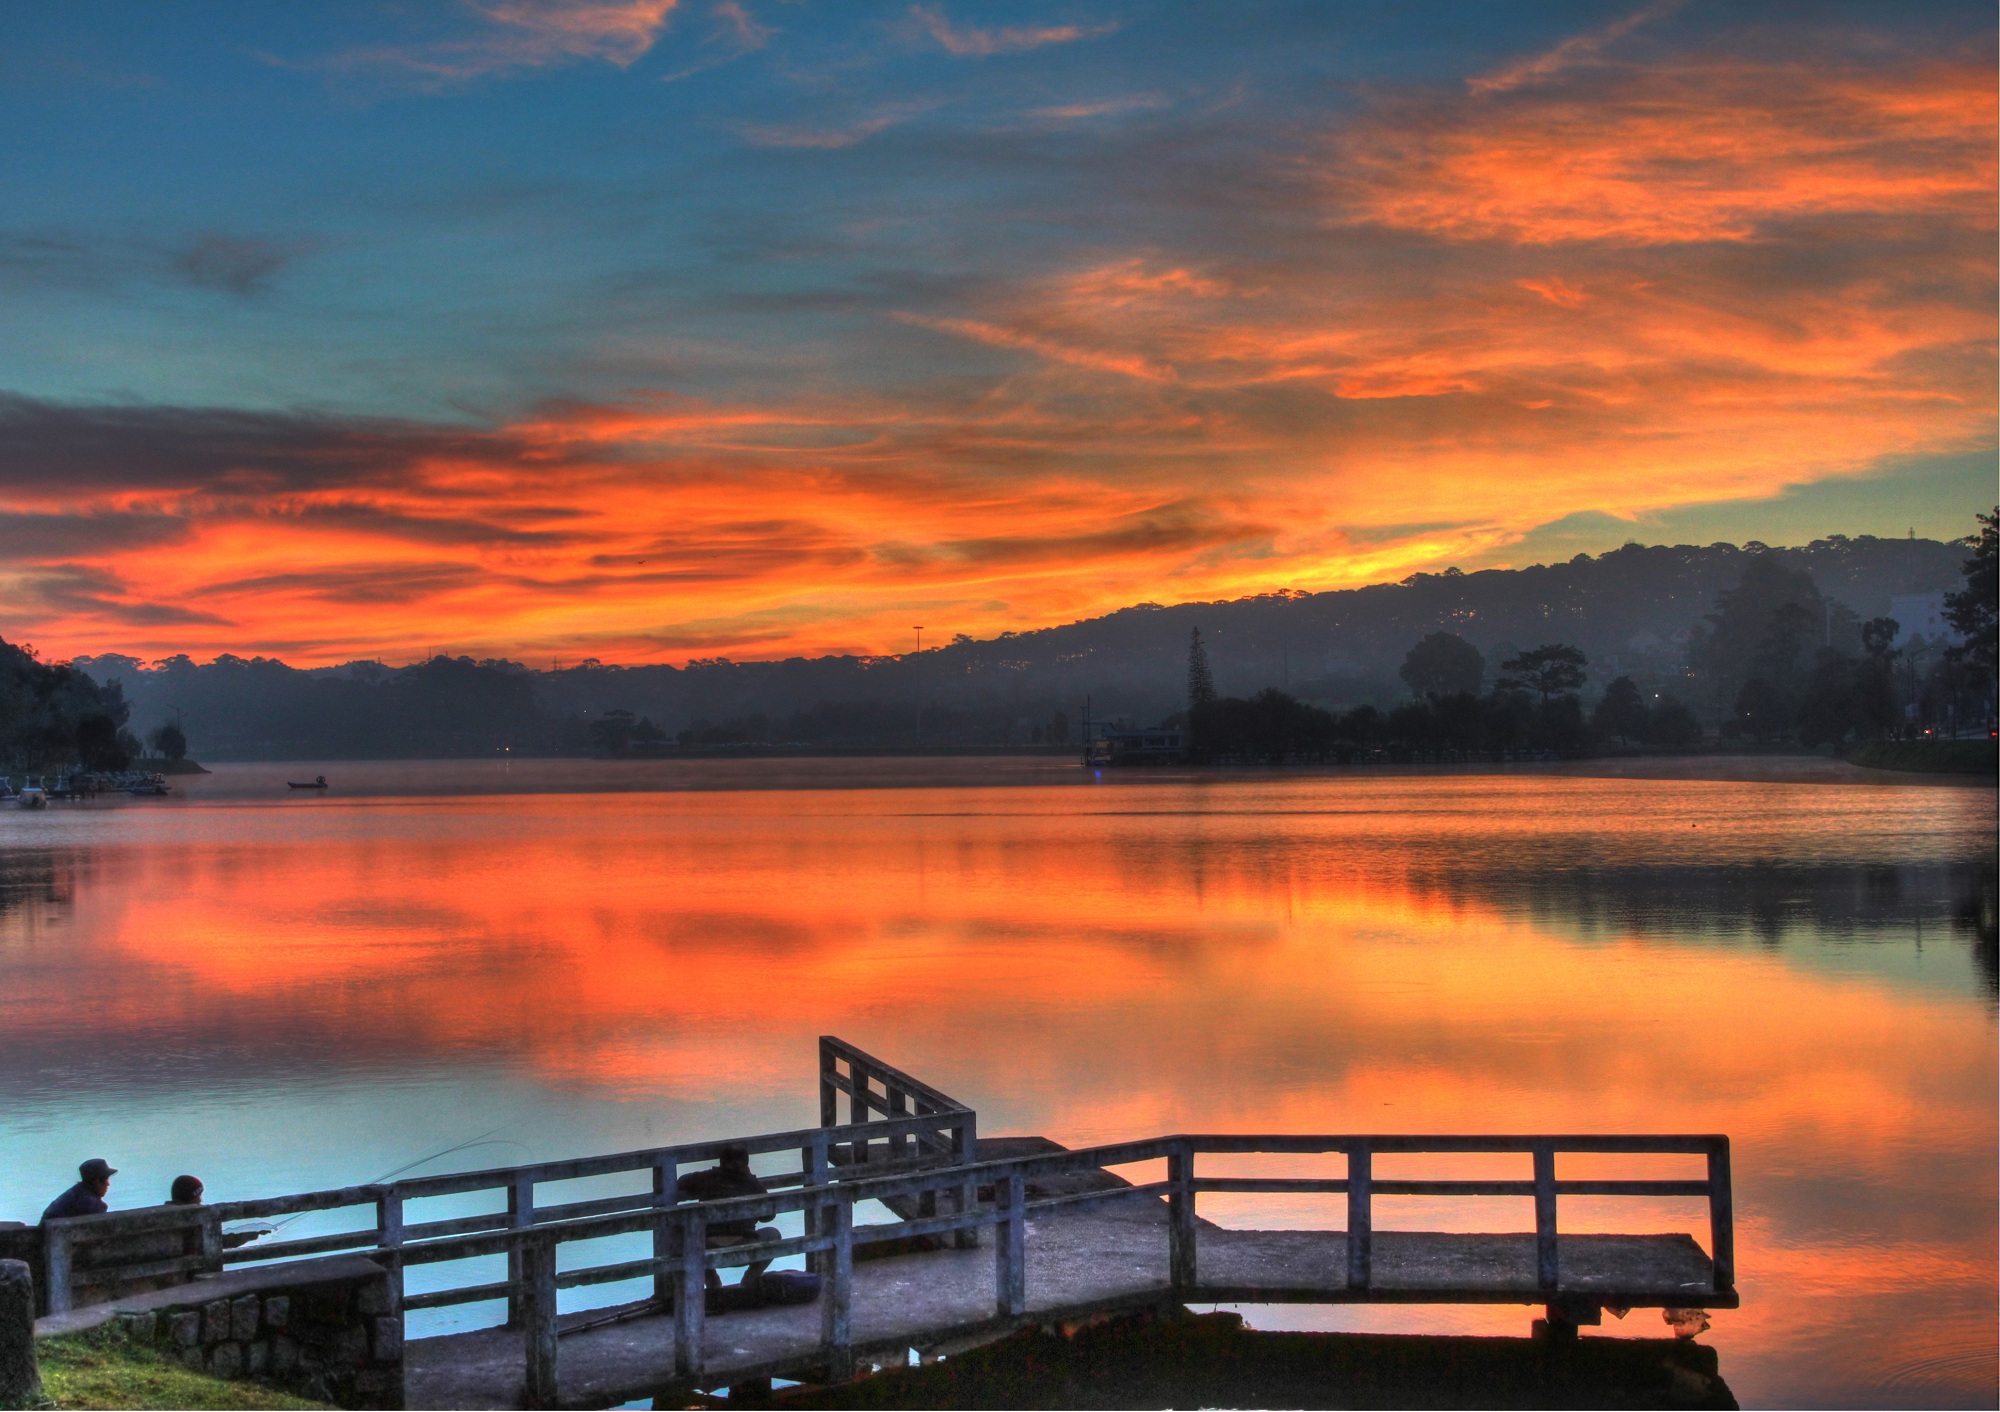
<point>485,1139</point>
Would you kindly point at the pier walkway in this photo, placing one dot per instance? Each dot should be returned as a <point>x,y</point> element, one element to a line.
<point>986,1237</point>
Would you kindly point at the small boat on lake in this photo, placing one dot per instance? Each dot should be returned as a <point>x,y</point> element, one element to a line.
<point>316,782</point>
<point>32,795</point>
<point>149,784</point>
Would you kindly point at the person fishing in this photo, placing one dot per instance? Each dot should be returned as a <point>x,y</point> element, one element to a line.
<point>188,1191</point>
<point>731,1177</point>
<point>86,1198</point>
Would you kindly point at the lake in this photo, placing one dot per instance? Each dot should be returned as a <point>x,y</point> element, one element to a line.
<point>527,960</point>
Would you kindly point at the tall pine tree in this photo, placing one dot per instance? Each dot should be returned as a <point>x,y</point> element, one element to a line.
<point>1201,684</point>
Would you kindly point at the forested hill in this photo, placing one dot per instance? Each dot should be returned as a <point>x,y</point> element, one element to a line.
<point>1631,610</point>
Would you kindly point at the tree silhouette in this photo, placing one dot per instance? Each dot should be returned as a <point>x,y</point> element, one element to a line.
<point>1443,664</point>
<point>1549,670</point>
<point>1622,712</point>
<point>1201,683</point>
<point>1767,617</point>
<point>171,741</point>
<point>1972,610</point>
<point>1672,723</point>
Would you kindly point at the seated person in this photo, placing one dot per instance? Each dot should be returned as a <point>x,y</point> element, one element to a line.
<point>731,1176</point>
<point>86,1198</point>
<point>188,1191</point>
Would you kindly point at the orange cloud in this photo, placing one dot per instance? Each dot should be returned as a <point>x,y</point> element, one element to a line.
<point>970,43</point>
<point>522,34</point>
<point>1603,286</point>
<point>1716,149</point>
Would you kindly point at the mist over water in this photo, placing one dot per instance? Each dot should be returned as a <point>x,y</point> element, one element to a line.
<point>280,991</point>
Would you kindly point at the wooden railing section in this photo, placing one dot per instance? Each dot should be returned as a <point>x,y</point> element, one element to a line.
<point>914,1158</point>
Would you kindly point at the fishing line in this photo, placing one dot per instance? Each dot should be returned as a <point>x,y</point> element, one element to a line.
<point>485,1139</point>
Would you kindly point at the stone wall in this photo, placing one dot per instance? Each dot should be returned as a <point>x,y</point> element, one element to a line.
<point>24,1243</point>
<point>325,1329</point>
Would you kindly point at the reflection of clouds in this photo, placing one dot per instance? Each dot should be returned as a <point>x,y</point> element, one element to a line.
<point>1443,954</point>
<point>1396,905</point>
<point>32,877</point>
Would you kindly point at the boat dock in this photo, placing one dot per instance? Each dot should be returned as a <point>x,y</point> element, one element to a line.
<point>983,1237</point>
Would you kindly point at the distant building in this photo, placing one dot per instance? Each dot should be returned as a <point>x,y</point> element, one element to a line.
<point>1110,745</point>
<point>1921,615</point>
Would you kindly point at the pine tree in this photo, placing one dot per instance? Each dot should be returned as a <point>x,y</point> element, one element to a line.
<point>1201,685</point>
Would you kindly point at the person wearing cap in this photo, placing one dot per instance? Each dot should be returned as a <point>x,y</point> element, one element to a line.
<point>86,1198</point>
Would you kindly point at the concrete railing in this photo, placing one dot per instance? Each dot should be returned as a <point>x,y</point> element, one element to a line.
<point>87,1257</point>
<point>918,1158</point>
<point>836,1235</point>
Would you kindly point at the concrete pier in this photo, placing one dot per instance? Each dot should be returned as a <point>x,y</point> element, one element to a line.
<point>988,1236</point>
<point>1079,1265</point>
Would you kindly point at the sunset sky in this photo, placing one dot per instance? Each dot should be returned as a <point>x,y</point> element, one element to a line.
<point>648,330</point>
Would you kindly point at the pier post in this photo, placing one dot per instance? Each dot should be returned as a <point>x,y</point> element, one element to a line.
<point>666,1192</point>
<point>388,1236</point>
<point>520,1216</point>
<point>1360,1216</point>
<point>211,1249</point>
<point>813,1160</point>
<point>1548,1271</point>
<point>538,1263</point>
<point>1721,1216</point>
<point>899,1107</point>
<point>829,1096</point>
<point>57,1261</point>
<point>965,1152</point>
<point>1010,1255</point>
<point>691,1304</point>
<point>1181,1219</point>
<point>836,1328</point>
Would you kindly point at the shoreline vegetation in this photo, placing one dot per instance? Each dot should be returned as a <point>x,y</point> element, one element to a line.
<point>160,765</point>
<point>1945,757</point>
<point>1043,765</point>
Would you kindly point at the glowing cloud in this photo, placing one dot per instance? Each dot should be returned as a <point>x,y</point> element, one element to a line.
<point>984,43</point>
<point>1584,283</point>
<point>522,34</point>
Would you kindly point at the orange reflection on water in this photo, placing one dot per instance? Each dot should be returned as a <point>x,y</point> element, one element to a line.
<point>1309,956</point>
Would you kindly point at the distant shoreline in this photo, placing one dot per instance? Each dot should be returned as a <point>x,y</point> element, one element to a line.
<point>1745,769</point>
<point>170,767</point>
<point>1762,769</point>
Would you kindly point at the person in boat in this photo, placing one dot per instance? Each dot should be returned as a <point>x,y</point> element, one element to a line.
<point>188,1191</point>
<point>731,1177</point>
<point>86,1198</point>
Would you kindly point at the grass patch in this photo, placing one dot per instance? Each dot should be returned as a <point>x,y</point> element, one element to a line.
<point>104,1368</point>
<point>1944,757</point>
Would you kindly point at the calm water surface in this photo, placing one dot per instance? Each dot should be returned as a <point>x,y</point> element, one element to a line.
<point>547,959</point>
